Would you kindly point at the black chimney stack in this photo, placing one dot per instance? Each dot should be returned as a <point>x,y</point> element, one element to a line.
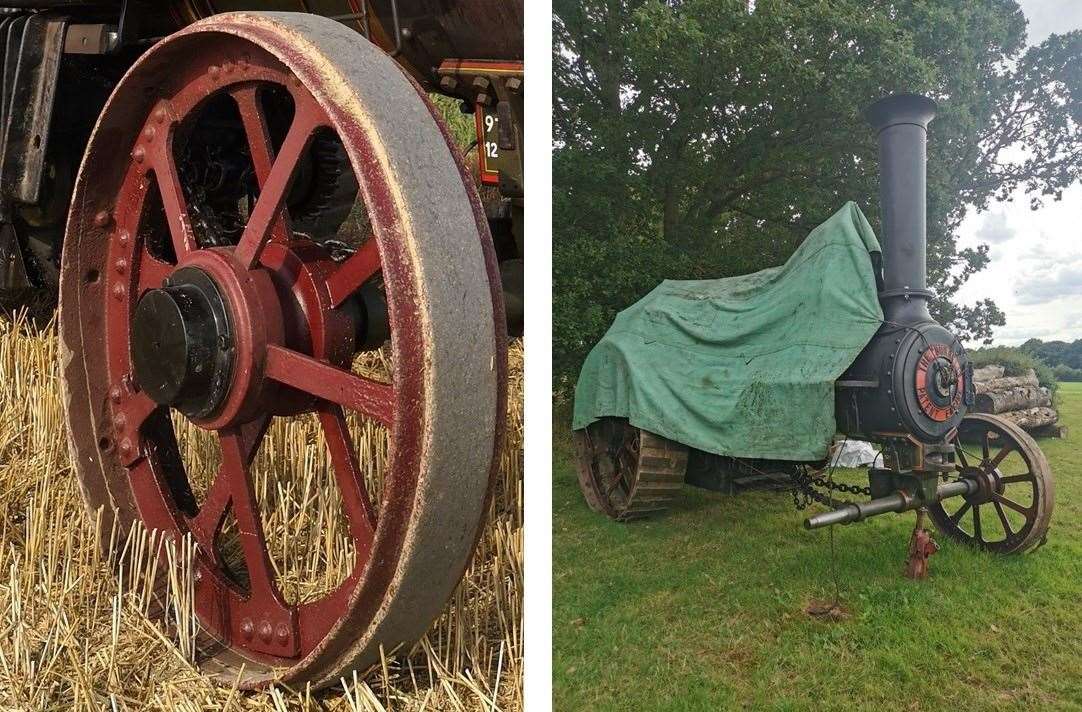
<point>913,376</point>
<point>902,122</point>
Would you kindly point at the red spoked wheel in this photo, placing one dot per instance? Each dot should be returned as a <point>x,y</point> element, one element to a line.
<point>187,296</point>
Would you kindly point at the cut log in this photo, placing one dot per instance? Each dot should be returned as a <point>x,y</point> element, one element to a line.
<point>987,373</point>
<point>1032,418</point>
<point>1019,398</point>
<point>1005,383</point>
<point>1050,431</point>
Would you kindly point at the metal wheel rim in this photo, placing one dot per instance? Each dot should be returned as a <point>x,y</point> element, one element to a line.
<point>621,481</point>
<point>592,456</point>
<point>964,520</point>
<point>445,437</point>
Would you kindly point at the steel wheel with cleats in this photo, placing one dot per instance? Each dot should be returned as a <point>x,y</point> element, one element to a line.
<point>182,303</point>
<point>1011,510</point>
<point>628,473</point>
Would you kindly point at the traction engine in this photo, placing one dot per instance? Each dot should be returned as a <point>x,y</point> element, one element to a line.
<point>235,208</point>
<point>982,479</point>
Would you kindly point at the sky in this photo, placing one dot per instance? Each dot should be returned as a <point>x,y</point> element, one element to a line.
<point>1035,274</point>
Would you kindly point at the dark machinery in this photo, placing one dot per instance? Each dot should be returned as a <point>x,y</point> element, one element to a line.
<point>62,58</point>
<point>982,479</point>
<point>235,208</point>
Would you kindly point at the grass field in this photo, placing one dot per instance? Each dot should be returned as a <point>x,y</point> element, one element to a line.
<point>702,608</point>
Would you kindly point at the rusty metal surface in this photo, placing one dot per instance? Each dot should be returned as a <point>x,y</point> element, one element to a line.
<point>983,442</point>
<point>444,409</point>
<point>921,548</point>
<point>627,473</point>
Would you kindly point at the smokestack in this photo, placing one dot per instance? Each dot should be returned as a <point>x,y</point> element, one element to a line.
<point>901,121</point>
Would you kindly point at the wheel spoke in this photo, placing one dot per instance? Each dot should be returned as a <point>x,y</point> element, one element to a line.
<point>957,516</point>
<point>260,148</point>
<point>960,451</point>
<point>354,272</point>
<point>1000,499</point>
<point>984,446</point>
<point>249,524</point>
<point>355,500</point>
<point>272,196</point>
<point>333,384</point>
<point>233,487</point>
<point>994,463</point>
<point>1003,519</point>
<point>251,435</point>
<point>977,524</point>
<point>151,272</point>
<point>206,524</point>
<point>173,201</point>
<point>1011,479</point>
<point>138,408</point>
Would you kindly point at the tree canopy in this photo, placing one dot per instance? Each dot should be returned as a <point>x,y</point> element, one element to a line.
<point>697,139</point>
<point>1056,353</point>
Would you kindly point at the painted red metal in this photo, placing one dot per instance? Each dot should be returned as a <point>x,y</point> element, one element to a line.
<point>921,548</point>
<point>292,345</point>
<point>924,385</point>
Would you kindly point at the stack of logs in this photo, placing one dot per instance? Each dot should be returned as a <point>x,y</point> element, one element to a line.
<point>1020,399</point>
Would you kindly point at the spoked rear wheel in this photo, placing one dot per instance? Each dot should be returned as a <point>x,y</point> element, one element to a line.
<point>166,319</point>
<point>628,473</point>
<point>1012,507</point>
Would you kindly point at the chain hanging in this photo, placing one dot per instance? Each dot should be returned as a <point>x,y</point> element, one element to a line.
<point>805,492</point>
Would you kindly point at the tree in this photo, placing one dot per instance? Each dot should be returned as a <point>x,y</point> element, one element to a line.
<point>696,139</point>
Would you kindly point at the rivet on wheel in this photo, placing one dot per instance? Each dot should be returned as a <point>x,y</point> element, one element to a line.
<point>283,633</point>
<point>103,218</point>
<point>160,115</point>
<point>126,447</point>
<point>123,237</point>
<point>119,421</point>
<point>115,394</point>
<point>246,628</point>
<point>150,133</point>
<point>121,266</point>
<point>139,154</point>
<point>119,292</point>
<point>266,631</point>
<point>215,71</point>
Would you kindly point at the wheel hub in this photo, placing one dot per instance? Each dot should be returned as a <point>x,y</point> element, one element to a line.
<point>182,344</point>
<point>988,484</point>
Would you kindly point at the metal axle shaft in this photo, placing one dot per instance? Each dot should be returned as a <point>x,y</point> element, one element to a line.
<point>900,501</point>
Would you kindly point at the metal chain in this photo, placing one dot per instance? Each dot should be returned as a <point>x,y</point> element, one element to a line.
<point>805,491</point>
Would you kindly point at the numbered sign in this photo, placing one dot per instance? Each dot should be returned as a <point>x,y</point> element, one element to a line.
<point>490,156</point>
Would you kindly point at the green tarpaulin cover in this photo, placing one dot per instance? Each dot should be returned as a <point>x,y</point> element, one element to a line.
<point>743,366</point>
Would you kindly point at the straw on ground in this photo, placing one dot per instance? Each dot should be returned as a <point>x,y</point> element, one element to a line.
<point>75,637</point>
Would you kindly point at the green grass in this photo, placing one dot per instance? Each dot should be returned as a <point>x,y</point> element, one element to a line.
<point>701,608</point>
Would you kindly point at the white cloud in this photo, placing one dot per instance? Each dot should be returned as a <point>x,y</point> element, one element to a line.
<point>995,228</point>
<point>1035,273</point>
<point>1049,16</point>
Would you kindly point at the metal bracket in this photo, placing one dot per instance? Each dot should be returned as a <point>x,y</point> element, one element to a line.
<point>92,39</point>
<point>31,68</point>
